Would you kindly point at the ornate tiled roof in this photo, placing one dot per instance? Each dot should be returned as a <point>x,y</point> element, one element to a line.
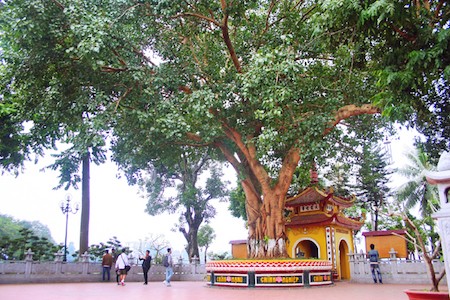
<point>307,196</point>
<point>322,218</point>
<point>342,202</point>
<point>313,194</point>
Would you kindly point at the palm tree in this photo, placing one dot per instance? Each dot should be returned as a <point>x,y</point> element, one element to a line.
<point>417,191</point>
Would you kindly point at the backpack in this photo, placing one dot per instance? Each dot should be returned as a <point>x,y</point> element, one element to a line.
<point>165,261</point>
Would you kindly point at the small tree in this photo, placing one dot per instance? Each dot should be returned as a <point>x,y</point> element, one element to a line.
<point>418,240</point>
<point>158,243</point>
<point>205,237</point>
<point>96,251</point>
<point>15,248</point>
<point>371,186</point>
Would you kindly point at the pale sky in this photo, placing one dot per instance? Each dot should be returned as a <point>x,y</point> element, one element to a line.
<point>116,208</point>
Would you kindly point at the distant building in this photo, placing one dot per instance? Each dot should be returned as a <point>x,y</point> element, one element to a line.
<point>386,240</point>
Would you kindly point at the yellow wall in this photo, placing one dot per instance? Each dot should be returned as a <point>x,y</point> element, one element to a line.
<point>384,244</point>
<point>239,250</point>
<point>318,236</point>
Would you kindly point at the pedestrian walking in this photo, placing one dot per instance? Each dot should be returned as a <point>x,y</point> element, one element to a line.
<point>121,265</point>
<point>168,263</point>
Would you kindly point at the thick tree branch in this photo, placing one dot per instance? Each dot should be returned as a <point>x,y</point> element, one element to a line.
<point>123,96</point>
<point>438,9</point>
<point>199,16</point>
<point>351,111</point>
<point>403,34</point>
<point>112,69</point>
<point>226,38</point>
<point>224,28</point>
<point>247,149</point>
<point>58,4</point>
<point>228,155</point>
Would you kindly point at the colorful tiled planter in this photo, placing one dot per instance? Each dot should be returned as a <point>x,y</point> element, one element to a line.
<point>269,273</point>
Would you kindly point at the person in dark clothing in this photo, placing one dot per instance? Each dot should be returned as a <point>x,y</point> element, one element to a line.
<point>374,264</point>
<point>107,261</point>
<point>114,255</point>
<point>146,263</point>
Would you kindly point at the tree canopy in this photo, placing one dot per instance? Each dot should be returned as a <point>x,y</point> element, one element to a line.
<point>271,85</point>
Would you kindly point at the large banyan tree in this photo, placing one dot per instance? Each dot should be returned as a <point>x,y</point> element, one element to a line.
<point>270,85</point>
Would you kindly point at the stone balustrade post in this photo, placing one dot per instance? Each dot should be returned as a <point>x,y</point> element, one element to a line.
<point>393,261</point>
<point>59,258</point>
<point>351,260</point>
<point>28,262</point>
<point>85,261</point>
<point>360,258</point>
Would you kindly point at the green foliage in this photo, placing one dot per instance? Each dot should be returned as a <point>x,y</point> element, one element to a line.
<point>206,236</point>
<point>219,256</point>
<point>371,182</point>
<point>435,126</point>
<point>9,228</point>
<point>416,190</point>
<point>19,236</point>
<point>338,176</point>
<point>237,203</point>
<point>96,251</point>
<point>178,170</point>
<point>12,145</point>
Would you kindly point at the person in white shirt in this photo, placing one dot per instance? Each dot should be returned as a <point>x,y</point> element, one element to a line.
<point>121,263</point>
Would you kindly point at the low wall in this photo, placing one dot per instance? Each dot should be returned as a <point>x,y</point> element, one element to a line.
<point>394,270</point>
<point>29,271</point>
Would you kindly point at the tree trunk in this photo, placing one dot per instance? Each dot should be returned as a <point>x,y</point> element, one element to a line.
<point>266,224</point>
<point>264,197</point>
<point>192,243</point>
<point>193,251</point>
<point>85,204</point>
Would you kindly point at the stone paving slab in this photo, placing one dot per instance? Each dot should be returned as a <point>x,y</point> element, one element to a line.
<point>182,290</point>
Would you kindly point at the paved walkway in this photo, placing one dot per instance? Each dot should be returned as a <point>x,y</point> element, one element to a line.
<point>199,291</point>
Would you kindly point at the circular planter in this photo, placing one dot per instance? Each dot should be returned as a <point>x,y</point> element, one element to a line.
<point>426,295</point>
<point>269,273</point>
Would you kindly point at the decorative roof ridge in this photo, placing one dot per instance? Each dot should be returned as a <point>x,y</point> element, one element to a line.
<point>305,191</point>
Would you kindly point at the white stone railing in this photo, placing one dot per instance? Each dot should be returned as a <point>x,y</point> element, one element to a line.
<point>29,271</point>
<point>393,270</point>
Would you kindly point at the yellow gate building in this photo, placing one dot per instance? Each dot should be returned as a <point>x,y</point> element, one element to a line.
<point>317,228</point>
